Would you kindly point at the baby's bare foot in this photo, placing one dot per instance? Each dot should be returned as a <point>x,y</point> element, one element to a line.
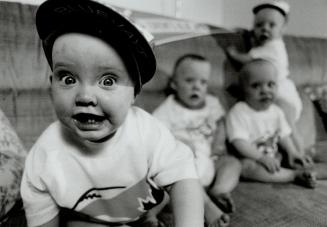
<point>224,201</point>
<point>306,178</point>
<point>214,216</point>
<point>223,221</point>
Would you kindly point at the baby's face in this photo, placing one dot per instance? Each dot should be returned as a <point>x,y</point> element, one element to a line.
<point>191,83</point>
<point>91,88</point>
<point>260,85</point>
<point>269,24</point>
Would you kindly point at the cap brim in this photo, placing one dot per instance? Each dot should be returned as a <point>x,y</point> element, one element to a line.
<point>267,5</point>
<point>65,16</point>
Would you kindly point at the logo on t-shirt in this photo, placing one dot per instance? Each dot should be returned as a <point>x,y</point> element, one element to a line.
<point>268,145</point>
<point>119,203</point>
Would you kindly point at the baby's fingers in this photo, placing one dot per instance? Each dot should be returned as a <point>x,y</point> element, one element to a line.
<point>304,162</point>
<point>308,162</point>
<point>276,165</point>
<point>273,166</point>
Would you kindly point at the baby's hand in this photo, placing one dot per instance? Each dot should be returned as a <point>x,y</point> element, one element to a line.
<point>231,51</point>
<point>300,162</point>
<point>271,164</point>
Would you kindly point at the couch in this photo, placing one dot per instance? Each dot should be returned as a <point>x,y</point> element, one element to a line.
<point>260,204</point>
<point>24,94</point>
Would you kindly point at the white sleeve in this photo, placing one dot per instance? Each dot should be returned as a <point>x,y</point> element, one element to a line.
<point>170,159</point>
<point>236,126</point>
<point>266,52</point>
<point>38,204</point>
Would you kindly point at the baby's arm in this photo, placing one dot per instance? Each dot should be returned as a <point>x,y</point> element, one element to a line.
<point>52,223</point>
<point>296,159</point>
<point>238,56</point>
<point>248,150</point>
<point>218,146</point>
<point>187,203</point>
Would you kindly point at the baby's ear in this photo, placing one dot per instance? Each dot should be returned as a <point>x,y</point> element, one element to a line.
<point>172,84</point>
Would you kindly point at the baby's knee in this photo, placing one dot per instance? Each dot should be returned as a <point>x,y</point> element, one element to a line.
<point>205,170</point>
<point>234,162</point>
<point>228,161</point>
<point>250,167</point>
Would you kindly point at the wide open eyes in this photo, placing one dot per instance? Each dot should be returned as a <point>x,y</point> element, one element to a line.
<point>68,80</point>
<point>107,81</point>
<point>65,78</point>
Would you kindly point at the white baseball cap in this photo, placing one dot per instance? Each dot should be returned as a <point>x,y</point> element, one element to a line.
<point>282,6</point>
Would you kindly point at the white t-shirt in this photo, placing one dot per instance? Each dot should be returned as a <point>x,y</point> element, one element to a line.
<point>261,128</point>
<point>117,183</point>
<point>195,127</point>
<point>276,52</point>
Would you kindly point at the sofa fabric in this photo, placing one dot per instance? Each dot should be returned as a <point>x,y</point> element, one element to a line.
<point>24,71</point>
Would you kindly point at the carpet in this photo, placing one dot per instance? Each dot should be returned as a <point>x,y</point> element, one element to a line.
<point>279,205</point>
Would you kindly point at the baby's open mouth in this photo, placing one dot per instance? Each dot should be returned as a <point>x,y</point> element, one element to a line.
<point>264,37</point>
<point>86,118</point>
<point>266,99</point>
<point>194,96</point>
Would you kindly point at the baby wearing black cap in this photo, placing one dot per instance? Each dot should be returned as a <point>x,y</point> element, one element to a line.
<point>104,162</point>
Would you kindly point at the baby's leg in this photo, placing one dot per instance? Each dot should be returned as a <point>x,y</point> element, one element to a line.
<point>151,219</point>
<point>213,216</point>
<point>228,172</point>
<point>255,171</point>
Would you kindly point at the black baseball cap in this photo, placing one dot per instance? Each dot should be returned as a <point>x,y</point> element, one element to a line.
<point>57,17</point>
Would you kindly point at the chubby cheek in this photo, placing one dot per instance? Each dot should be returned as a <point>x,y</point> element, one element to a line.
<point>63,105</point>
<point>184,90</point>
<point>250,94</point>
<point>182,95</point>
<point>116,107</point>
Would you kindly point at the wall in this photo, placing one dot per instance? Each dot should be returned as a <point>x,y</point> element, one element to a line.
<point>209,11</point>
<point>204,11</point>
<point>308,18</point>
<point>166,7</point>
